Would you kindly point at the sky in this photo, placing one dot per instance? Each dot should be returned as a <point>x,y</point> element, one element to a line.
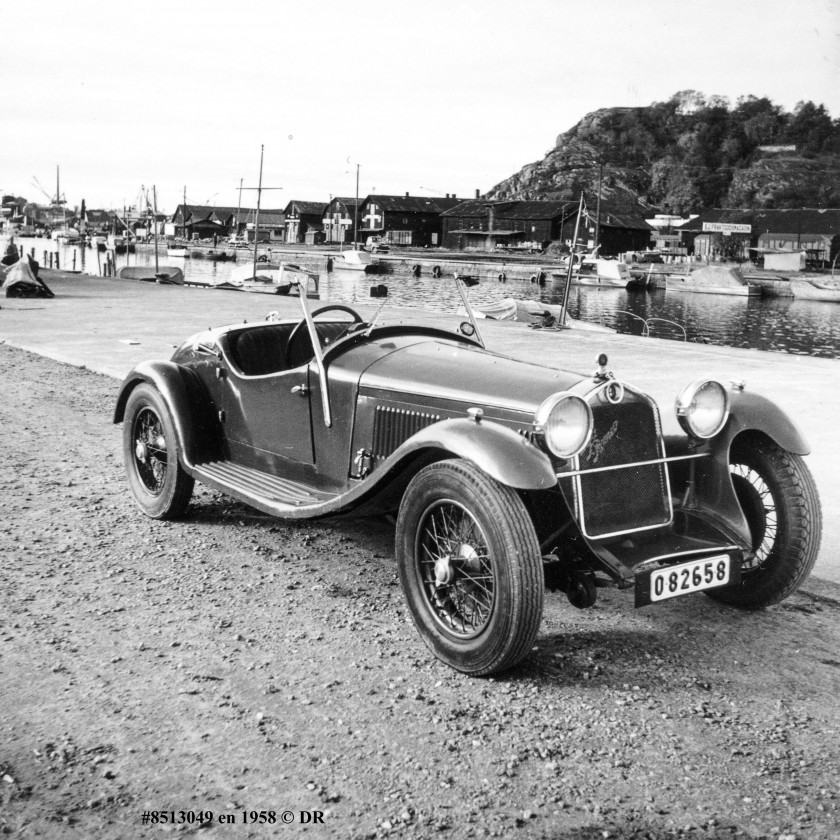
<point>429,98</point>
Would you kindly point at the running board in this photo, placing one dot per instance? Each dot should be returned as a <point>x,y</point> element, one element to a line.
<point>262,490</point>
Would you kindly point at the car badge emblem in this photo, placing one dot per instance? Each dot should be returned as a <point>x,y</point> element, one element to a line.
<point>598,445</point>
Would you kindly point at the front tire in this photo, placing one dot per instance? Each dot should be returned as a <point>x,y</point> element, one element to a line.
<point>470,567</point>
<point>160,485</point>
<point>780,501</point>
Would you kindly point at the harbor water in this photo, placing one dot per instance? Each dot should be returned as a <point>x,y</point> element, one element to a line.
<point>785,325</point>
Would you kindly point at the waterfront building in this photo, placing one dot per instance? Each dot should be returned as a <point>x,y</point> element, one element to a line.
<point>304,222</point>
<point>814,231</point>
<point>517,223</point>
<point>195,221</point>
<point>404,220</point>
<point>338,221</point>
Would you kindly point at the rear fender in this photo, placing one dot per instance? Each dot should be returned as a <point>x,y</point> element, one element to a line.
<point>503,454</point>
<point>190,406</point>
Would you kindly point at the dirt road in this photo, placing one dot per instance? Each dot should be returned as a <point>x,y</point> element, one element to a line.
<point>233,663</point>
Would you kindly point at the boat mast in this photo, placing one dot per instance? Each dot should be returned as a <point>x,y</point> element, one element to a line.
<point>239,206</point>
<point>571,263</point>
<point>154,224</point>
<point>257,217</point>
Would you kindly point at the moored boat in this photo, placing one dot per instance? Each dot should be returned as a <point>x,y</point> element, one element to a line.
<point>354,260</point>
<point>712,280</point>
<point>535,314</point>
<point>817,287</point>
<point>273,279</point>
<point>166,274</point>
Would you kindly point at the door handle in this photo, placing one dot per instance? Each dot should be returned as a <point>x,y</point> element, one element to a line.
<point>300,390</point>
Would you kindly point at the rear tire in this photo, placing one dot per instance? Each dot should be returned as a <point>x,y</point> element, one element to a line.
<point>160,485</point>
<point>780,501</point>
<point>470,567</point>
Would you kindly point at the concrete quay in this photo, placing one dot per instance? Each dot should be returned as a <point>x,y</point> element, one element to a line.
<point>108,326</point>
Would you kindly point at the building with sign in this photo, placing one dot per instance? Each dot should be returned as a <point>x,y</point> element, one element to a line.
<point>816,232</point>
<point>404,220</point>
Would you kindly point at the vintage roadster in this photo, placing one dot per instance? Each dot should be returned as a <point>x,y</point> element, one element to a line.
<point>507,477</point>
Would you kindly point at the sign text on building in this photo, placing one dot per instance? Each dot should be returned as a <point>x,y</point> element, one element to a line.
<point>725,227</point>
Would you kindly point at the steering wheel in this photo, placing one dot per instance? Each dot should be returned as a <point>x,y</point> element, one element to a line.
<point>300,333</point>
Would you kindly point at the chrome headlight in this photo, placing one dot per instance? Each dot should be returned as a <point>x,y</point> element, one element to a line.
<point>703,408</point>
<point>566,421</point>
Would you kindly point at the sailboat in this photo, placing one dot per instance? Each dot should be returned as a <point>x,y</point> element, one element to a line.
<point>64,234</point>
<point>179,249</point>
<point>355,259</point>
<point>271,278</point>
<point>168,274</point>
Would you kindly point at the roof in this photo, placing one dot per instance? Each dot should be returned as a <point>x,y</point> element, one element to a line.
<point>304,208</point>
<point>798,221</point>
<point>513,210</point>
<point>349,203</point>
<point>413,203</point>
<point>272,218</point>
<point>480,208</point>
<point>619,220</point>
<point>201,212</point>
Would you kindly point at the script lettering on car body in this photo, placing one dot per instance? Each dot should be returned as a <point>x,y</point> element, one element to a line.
<point>598,445</point>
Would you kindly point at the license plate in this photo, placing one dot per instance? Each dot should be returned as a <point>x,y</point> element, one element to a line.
<point>684,578</point>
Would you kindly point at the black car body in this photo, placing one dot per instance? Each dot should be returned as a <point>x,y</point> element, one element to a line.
<point>507,476</point>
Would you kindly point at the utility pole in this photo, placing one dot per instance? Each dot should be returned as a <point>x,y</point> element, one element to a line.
<point>356,214</point>
<point>239,206</point>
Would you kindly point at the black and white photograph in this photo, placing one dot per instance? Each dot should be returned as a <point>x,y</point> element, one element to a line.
<point>420,420</point>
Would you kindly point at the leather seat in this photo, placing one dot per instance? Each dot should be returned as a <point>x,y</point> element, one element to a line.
<point>259,351</point>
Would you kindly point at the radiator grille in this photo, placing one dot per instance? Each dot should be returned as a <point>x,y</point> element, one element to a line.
<point>626,499</point>
<point>393,426</point>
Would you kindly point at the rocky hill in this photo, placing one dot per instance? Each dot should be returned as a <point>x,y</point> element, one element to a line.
<point>690,154</point>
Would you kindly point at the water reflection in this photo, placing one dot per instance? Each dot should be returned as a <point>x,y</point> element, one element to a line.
<point>780,324</point>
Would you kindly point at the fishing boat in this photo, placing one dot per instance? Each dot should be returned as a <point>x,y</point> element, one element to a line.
<point>712,280</point>
<point>177,250</point>
<point>816,287</point>
<point>599,271</point>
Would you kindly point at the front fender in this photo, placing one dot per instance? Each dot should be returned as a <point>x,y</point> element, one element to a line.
<point>500,452</point>
<point>711,493</point>
<point>752,412</point>
<point>188,403</point>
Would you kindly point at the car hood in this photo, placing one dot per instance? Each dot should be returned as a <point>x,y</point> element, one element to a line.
<point>449,371</point>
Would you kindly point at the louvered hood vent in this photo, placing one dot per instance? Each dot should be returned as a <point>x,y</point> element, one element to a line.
<point>393,426</point>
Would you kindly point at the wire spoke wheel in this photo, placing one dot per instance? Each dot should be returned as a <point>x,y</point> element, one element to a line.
<point>161,486</point>
<point>150,458</point>
<point>470,567</point>
<point>780,503</point>
<point>759,507</point>
<point>456,568</point>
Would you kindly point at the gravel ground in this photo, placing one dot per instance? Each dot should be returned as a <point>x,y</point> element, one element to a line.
<point>231,662</point>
